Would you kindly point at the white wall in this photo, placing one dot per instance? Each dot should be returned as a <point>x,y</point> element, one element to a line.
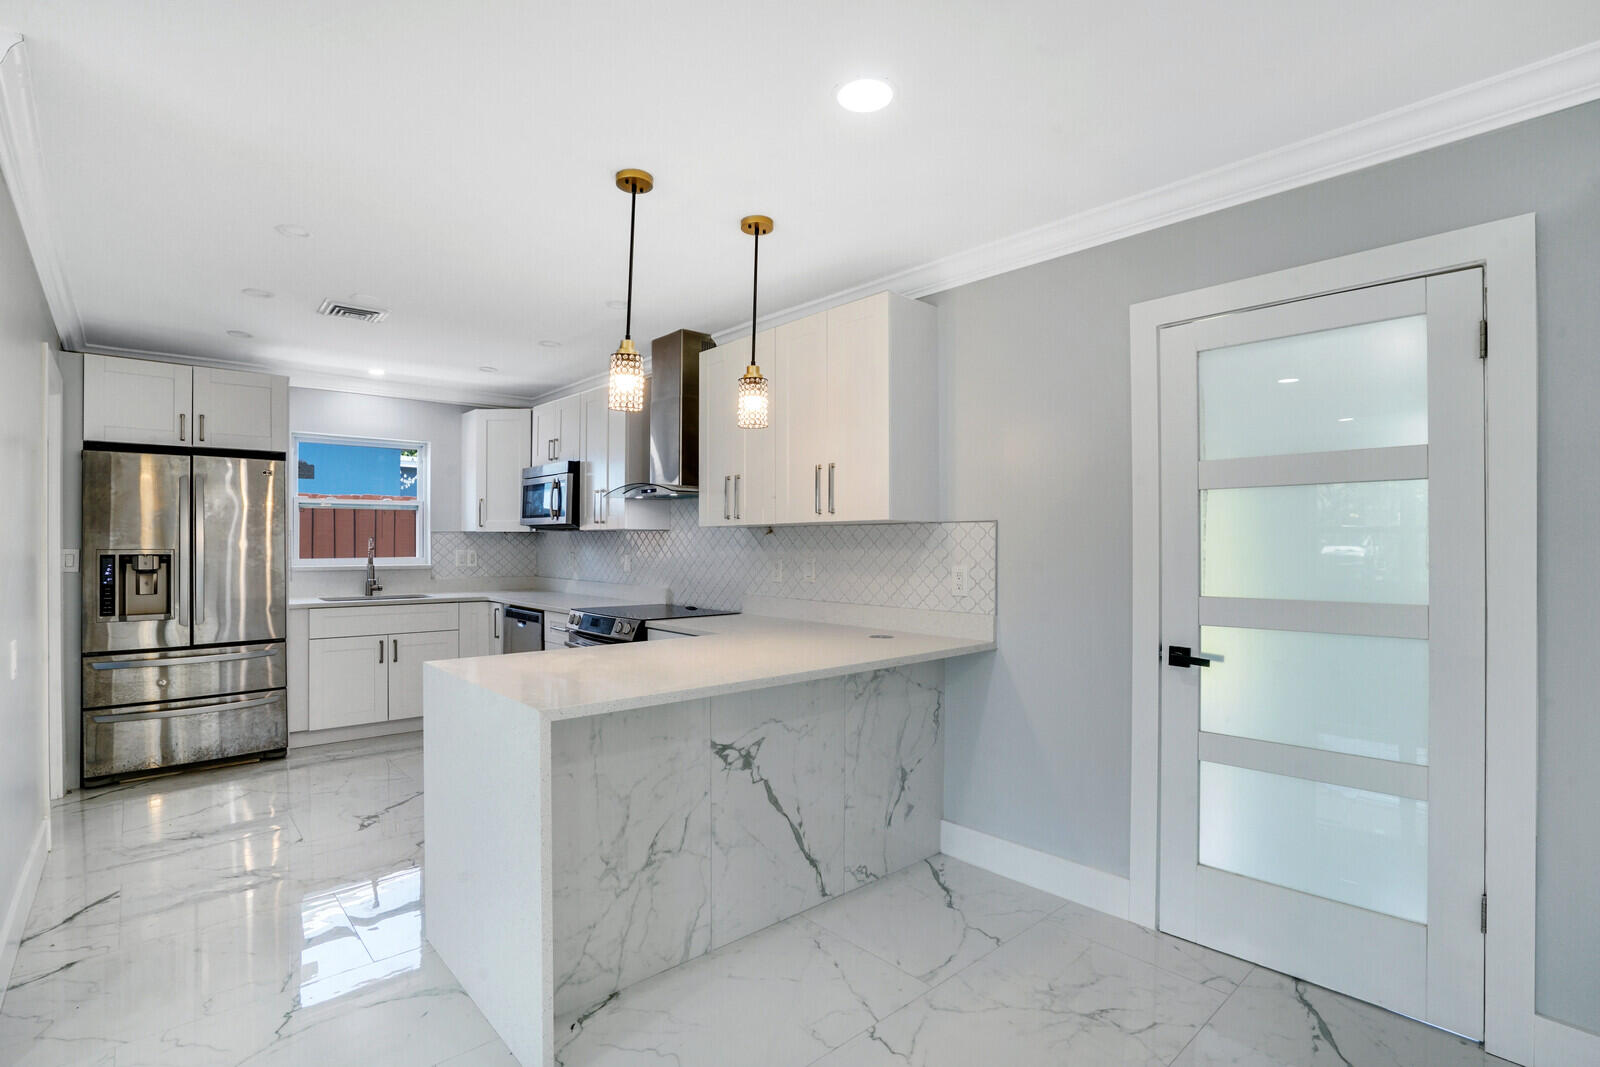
<point>1036,424</point>
<point>24,325</point>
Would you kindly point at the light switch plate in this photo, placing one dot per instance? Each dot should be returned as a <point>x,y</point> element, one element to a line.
<point>809,571</point>
<point>627,564</point>
<point>69,560</point>
<point>777,569</point>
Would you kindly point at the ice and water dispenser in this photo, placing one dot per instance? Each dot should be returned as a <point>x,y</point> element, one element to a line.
<point>136,585</point>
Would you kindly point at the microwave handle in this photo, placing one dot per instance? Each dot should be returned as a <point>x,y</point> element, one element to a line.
<point>555,499</point>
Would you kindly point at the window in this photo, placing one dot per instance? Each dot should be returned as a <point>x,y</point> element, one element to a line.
<point>349,491</point>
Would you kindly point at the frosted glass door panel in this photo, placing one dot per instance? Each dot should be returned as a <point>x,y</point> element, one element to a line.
<point>1360,386</point>
<point>1350,845</point>
<point>1350,541</point>
<point>1366,696</point>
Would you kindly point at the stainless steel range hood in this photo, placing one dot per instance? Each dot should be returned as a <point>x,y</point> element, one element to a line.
<point>674,418</point>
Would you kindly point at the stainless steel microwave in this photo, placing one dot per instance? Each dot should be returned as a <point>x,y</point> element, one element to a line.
<point>550,496</point>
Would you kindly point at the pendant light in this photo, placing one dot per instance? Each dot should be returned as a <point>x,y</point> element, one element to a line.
<point>626,391</point>
<point>752,386</point>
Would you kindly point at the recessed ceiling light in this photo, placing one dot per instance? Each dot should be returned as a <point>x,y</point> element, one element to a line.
<point>1287,381</point>
<point>549,344</point>
<point>259,294</point>
<point>376,372</point>
<point>1348,418</point>
<point>289,229</point>
<point>616,305</point>
<point>865,94</point>
<point>239,333</point>
<point>490,370</point>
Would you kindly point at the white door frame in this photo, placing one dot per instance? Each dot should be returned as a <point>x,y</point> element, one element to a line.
<point>1505,249</point>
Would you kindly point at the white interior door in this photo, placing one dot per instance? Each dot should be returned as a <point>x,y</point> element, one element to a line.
<point>1323,547</point>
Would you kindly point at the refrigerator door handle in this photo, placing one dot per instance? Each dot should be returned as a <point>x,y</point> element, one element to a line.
<point>181,661</point>
<point>173,713</point>
<point>199,506</point>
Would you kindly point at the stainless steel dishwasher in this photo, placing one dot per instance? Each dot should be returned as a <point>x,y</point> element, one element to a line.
<point>524,630</point>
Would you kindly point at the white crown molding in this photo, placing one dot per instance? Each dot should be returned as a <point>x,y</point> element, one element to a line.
<point>1540,88</point>
<point>22,163</point>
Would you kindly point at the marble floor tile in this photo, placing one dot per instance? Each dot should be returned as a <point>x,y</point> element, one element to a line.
<point>778,998</point>
<point>935,917</point>
<point>1049,997</point>
<point>1197,963</point>
<point>1275,1021</point>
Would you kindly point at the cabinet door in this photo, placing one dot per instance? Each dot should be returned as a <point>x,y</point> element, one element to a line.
<point>480,629</point>
<point>504,455</point>
<point>407,654</point>
<point>754,495</point>
<point>855,472</point>
<point>593,466</point>
<point>235,409</point>
<point>717,397</point>
<point>801,419</point>
<point>137,401</point>
<point>569,433</point>
<point>348,681</point>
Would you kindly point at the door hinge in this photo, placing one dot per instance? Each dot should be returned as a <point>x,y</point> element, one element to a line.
<point>1483,914</point>
<point>1483,338</point>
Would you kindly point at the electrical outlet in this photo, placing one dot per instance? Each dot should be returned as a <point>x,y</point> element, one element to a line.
<point>461,557</point>
<point>69,560</point>
<point>777,569</point>
<point>809,572</point>
<point>627,564</point>
<point>472,557</point>
<point>958,580</point>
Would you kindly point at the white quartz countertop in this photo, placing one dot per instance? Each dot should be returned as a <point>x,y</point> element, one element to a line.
<point>545,599</point>
<point>727,654</point>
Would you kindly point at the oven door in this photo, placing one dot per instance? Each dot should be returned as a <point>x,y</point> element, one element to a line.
<point>547,500</point>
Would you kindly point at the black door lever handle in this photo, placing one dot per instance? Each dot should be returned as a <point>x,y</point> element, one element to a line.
<point>1180,656</point>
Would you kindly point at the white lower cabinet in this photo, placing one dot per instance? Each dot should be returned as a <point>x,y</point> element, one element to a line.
<point>407,654</point>
<point>349,681</point>
<point>482,629</point>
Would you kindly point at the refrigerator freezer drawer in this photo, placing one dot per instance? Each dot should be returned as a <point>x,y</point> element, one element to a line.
<point>151,737</point>
<point>154,677</point>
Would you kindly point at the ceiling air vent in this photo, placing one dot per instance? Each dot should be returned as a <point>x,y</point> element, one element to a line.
<point>350,311</point>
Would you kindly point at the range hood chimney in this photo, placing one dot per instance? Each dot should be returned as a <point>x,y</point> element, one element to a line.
<point>674,417</point>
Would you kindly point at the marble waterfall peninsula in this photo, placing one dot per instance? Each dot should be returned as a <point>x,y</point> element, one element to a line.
<point>605,815</point>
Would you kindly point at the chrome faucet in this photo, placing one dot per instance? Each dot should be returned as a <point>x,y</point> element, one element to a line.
<point>372,568</point>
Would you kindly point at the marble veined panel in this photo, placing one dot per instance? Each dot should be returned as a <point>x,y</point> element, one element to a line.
<point>631,849</point>
<point>894,769</point>
<point>777,804</point>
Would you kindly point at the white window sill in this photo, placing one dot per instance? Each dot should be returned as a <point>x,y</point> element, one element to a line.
<point>360,564</point>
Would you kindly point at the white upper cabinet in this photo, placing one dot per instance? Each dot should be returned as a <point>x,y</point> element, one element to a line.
<point>558,431</point>
<point>137,401</point>
<point>239,410</point>
<point>858,414</point>
<point>494,451</point>
<point>146,402</point>
<point>615,453</point>
<point>738,474</point>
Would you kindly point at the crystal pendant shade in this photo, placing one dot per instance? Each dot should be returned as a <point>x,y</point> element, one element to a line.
<point>627,379</point>
<point>752,399</point>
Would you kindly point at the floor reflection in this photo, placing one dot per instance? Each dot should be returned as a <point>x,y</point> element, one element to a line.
<point>359,934</point>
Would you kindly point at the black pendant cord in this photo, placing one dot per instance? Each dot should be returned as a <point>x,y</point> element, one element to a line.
<point>755,280</point>
<point>633,209</point>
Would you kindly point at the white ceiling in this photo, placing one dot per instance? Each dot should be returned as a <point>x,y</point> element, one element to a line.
<point>454,160</point>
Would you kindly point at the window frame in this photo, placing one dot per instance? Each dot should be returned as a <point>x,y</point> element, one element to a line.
<point>424,506</point>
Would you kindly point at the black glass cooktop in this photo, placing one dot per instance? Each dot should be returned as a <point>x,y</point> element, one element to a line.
<point>647,612</point>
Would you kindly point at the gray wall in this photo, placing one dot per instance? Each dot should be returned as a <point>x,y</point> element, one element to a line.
<point>1035,381</point>
<point>24,324</point>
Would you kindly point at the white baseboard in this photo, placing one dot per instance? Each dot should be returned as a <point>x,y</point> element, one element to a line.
<point>1088,886</point>
<point>1559,1045</point>
<point>20,903</point>
<point>309,738</point>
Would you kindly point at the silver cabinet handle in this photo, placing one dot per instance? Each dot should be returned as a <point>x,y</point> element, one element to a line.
<point>497,623</point>
<point>727,513</point>
<point>816,489</point>
<point>395,645</point>
<point>830,489</point>
<point>598,520</point>
<point>380,650</point>
<point>183,419</point>
<point>480,511</point>
<point>199,506</point>
<point>560,629</point>
<point>738,512</point>
<point>202,427</point>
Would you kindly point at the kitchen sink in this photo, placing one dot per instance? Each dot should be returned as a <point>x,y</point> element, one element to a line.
<point>387,596</point>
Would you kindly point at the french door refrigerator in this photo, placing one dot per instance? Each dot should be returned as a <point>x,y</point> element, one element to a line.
<point>184,610</point>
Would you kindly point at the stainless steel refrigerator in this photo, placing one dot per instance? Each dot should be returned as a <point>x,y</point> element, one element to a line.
<point>184,610</point>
